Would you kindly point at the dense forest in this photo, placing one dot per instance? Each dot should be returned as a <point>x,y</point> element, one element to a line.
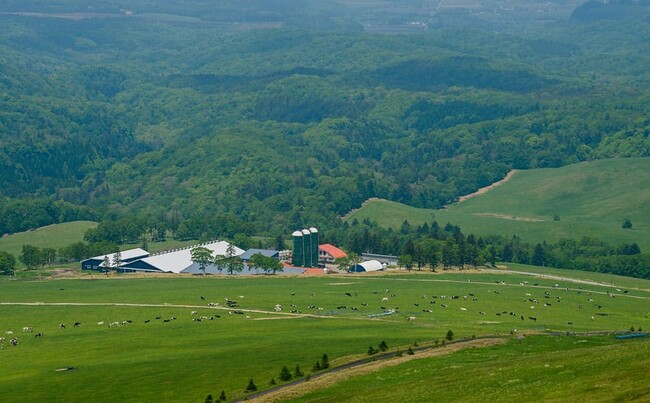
<point>274,115</point>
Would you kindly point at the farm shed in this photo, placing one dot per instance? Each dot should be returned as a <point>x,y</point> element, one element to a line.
<point>370,265</point>
<point>327,253</point>
<point>179,260</point>
<point>127,256</point>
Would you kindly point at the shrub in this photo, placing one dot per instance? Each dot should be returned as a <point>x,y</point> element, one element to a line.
<point>410,351</point>
<point>208,399</point>
<point>383,346</point>
<point>450,335</point>
<point>222,396</point>
<point>372,351</point>
<point>251,386</point>
<point>316,367</point>
<point>298,373</point>
<point>285,375</point>
<point>325,362</point>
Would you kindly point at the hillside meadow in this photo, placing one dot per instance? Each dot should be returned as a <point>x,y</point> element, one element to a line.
<point>183,359</point>
<point>52,236</point>
<point>589,199</point>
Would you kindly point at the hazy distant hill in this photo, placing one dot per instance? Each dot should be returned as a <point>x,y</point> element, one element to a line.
<point>284,127</point>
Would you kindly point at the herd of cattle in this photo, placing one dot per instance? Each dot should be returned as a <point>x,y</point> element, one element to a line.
<point>425,304</point>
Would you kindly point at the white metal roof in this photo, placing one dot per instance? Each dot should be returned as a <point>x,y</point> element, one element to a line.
<point>124,255</point>
<point>371,265</point>
<point>180,260</point>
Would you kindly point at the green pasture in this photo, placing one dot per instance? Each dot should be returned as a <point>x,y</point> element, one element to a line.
<point>184,360</point>
<point>602,278</point>
<point>591,199</point>
<point>537,368</point>
<point>53,236</point>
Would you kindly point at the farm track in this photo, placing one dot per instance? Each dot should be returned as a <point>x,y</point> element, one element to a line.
<point>280,315</point>
<point>299,387</point>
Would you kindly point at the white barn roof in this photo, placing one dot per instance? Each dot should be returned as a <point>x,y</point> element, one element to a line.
<point>180,261</point>
<point>129,254</point>
<point>370,265</point>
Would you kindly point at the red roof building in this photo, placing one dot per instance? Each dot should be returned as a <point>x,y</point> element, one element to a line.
<point>328,253</point>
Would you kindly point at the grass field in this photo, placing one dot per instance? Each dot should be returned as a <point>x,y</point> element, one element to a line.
<point>537,368</point>
<point>184,360</point>
<point>591,199</point>
<point>53,236</point>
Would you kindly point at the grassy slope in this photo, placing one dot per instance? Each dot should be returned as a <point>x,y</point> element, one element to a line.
<point>538,368</point>
<point>184,360</point>
<point>53,236</point>
<point>592,199</point>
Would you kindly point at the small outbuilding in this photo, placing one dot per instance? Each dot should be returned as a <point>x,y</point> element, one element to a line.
<point>368,266</point>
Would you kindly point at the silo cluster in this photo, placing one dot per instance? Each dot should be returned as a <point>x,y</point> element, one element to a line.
<point>305,248</point>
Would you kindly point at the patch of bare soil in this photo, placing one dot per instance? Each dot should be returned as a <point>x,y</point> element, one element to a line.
<point>488,188</point>
<point>509,217</point>
<point>370,200</point>
<point>329,379</point>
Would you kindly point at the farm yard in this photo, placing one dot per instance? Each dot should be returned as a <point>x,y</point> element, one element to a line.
<point>182,338</point>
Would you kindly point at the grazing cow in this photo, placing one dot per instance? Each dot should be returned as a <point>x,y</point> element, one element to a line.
<point>481,313</point>
<point>146,321</point>
<point>443,305</point>
<point>27,329</point>
<point>384,299</point>
<point>463,309</point>
<point>202,298</point>
<point>193,313</point>
<point>13,342</point>
<point>76,324</point>
<point>39,334</point>
<point>411,318</point>
<point>348,294</point>
<point>100,323</point>
<point>278,308</point>
<point>61,325</point>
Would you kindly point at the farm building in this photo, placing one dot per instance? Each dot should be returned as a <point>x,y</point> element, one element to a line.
<point>246,256</point>
<point>370,265</point>
<point>179,260</point>
<point>390,260</point>
<point>305,248</point>
<point>127,256</point>
<point>328,253</point>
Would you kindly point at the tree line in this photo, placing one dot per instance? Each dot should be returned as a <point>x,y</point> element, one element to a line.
<point>434,246</point>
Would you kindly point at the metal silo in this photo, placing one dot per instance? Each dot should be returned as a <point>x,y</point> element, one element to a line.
<point>306,236</point>
<point>314,246</point>
<point>298,257</point>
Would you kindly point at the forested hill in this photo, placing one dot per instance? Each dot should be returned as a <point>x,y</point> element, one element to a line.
<point>289,125</point>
